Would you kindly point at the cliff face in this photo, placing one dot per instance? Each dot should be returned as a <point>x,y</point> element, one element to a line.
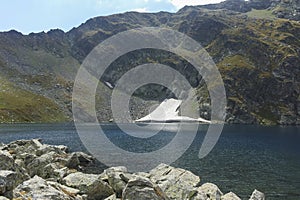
<point>257,54</point>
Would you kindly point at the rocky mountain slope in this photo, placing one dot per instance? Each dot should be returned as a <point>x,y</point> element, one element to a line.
<point>255,45</point>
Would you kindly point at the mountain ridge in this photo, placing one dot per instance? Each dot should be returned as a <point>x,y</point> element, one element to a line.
<point>257,56</point>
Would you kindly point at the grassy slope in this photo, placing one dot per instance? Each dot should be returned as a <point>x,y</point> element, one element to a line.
<point>19,105</point>
<point>261,14</point>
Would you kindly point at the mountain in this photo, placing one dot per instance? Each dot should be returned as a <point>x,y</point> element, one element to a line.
<point>255,45</point>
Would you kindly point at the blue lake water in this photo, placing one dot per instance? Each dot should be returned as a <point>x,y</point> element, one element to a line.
<point>245,157</point>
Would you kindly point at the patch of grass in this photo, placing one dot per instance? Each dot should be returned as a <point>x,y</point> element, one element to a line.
<point>18,105</point>
<point>235,61</point>
<point>267,116</point>
<point>261,14</point>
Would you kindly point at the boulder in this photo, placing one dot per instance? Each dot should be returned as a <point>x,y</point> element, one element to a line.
<point>230,196</point>
<point>89,184</point>
<point>24,146</point>
<point>143,188</point>
<point>8,181</point>
<point>25,158</point>
<point>67,190</point>
<point>175,182</point>
<point>54,172</point>
<point>46,165</point>
<point>211,190</point>
<point>36,167</point>
<point>78,159</point>
<point>7,163</point>
<point>44,149</point>
<point>38,188</point>
<point>199,195</point>
<point>117,177</point>
<point>3,198</point>
<point>257,195</point>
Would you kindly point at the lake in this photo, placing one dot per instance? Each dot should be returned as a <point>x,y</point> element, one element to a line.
<point>246,157</point>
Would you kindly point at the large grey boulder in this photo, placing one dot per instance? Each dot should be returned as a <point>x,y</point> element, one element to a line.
<point>38,189</point>
<point>50,165</point>
<point>117,177</point>
<point>54,172</point>
<point>25,158</point>
<point>211,190</point>
<point>230,196</point>
<point>76,160</point>
<point>8,181</point>
<point>37,166</point>
<point>257,195</point>
<point>7,162</point>
<point>142,188</point>
<point>175,182</point>
<point>68,190</point>
<point>59,149</point>
<point>89,184</point>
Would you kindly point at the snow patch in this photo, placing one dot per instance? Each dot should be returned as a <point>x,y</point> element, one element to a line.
<point>167,112</point>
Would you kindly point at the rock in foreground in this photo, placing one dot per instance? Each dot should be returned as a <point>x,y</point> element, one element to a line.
<point>32,170</point>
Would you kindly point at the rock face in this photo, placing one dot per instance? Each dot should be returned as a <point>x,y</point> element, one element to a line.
<point>61,182</point>
<point>287,9</point>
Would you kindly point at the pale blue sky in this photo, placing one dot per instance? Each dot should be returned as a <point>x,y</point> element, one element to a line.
<point>29,16</point>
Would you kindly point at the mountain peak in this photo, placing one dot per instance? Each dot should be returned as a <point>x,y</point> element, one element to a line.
<point>258,58</point>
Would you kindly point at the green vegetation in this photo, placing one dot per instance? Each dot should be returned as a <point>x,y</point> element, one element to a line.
<point>266,115</point>
<point>261,14</point>
<point>18,105</point>
<point>235,62</point>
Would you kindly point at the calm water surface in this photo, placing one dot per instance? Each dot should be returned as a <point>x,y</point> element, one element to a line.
<point>245,157</point>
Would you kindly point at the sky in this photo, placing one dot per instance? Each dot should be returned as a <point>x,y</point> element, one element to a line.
<point>28,16</point>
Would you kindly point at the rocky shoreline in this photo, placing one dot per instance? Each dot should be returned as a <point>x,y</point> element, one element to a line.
<point>31,170</point>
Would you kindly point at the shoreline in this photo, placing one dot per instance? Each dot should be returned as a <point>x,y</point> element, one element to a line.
<point>31,169</point>
<point>112,123</point>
